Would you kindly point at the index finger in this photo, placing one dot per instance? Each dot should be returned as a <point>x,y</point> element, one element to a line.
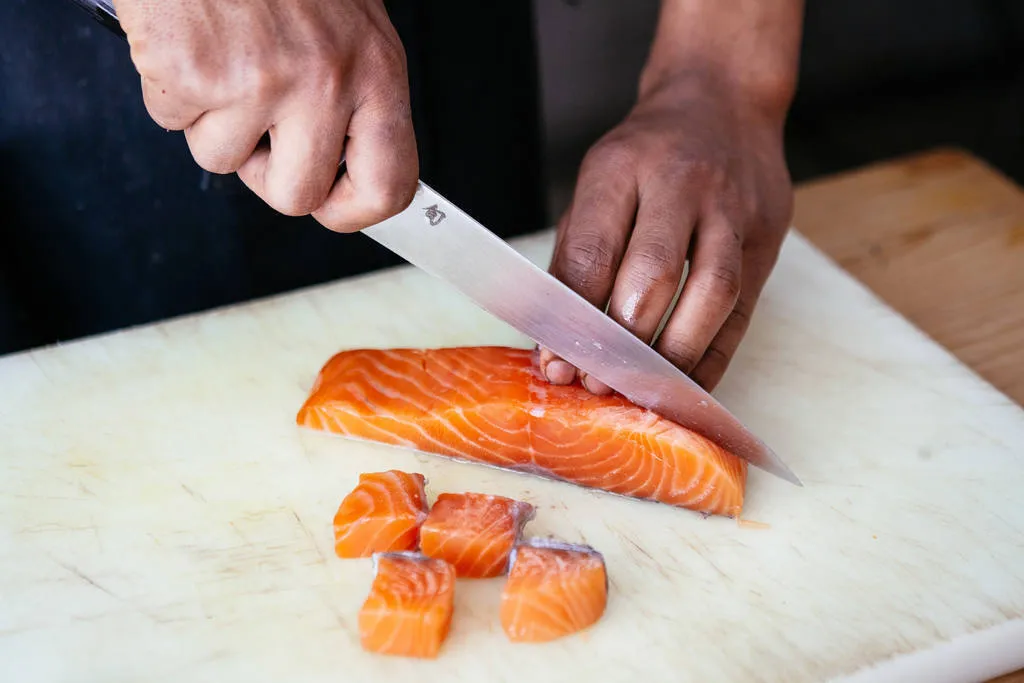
<point>382,168</point>
<point>592,238</point>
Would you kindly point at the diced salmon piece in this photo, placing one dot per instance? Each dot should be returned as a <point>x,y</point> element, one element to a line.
<point>409,609</point>
<point>553,590</point>
<point>383,513</point>
<point>475,532</point>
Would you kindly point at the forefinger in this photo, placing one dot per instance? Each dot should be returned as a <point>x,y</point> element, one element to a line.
<point>382,168</point>
<point>593,237</point>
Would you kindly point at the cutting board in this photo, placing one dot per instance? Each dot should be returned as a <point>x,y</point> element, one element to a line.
<point>163,519</point>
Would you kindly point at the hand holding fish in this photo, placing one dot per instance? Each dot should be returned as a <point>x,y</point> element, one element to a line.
<point>696,172</point>
<point>319,76</point>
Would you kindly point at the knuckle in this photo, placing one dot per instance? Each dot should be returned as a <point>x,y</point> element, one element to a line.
<point>722,283</point>
<point>163,107</point>
<point>610,155</point>
<point>167,116</point>
<point>210,154</point>
<point>262,84</point>
<point>288,203</point>
<point>658,263</point>
<point>738,319</point>
<point>690,170</point>
<point>385,59</point>
<point>716,357</point>
<point>292,199</point>
<point>388,199</point>
<point>324,73</point>
<point>221,165</point>
<point>214,161</point>
<point>682,353</point>
<point>588,260</point>
<point>393,61</point>
<point>741,208</point>
<point>321,58</point>
<point>332,216</point>
<point>162,118</point>
<point>179,69</point>
<point>152,60</point>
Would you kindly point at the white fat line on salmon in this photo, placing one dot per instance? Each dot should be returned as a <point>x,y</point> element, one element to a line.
<point>453,387</point>
<point>373,382</point>
<point>407,378</point>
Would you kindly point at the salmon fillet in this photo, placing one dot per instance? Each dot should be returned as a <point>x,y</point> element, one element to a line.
<point>474,532</point>
<point>490,405</point>
<point>408,611</point>
<point>553,590</point>
<point>382,513</point>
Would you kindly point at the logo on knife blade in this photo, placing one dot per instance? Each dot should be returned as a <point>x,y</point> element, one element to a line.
<point>434,214</point>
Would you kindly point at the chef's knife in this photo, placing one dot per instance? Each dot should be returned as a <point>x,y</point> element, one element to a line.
<point>441,239</point>
<point>438,237</point>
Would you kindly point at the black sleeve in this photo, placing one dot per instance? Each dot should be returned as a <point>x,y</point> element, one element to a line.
<point>108,222</point>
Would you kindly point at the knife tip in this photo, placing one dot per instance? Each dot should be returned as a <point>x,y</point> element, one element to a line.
<point>773,464</point>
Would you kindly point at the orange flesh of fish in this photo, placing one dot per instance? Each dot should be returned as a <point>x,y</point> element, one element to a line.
<point>382,513</point>
<point>553,590</point>
<point>474,532</point>
<point>409,609</point>
<point>490,405</point>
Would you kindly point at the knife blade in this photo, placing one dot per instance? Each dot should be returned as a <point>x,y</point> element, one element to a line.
<point>439,238</point>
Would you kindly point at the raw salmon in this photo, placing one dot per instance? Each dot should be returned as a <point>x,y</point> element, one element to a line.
<point>490,405</point>
<point>553,590</point>
<point>475,532</point>
<point>382,513</point>
<point>409,609</point>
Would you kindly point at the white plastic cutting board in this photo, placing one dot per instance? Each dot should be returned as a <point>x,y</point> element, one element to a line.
<point>163,519</point>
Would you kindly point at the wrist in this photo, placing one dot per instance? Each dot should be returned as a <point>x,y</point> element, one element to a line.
<point>764,91</point>
<point>748,49</point>
<point>762,100</point>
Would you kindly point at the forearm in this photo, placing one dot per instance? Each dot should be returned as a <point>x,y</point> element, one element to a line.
<point>749,46</point>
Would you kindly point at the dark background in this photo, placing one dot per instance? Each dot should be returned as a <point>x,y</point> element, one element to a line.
<point>878,78</point>
<point>881,78</point>
<point>106,222</point>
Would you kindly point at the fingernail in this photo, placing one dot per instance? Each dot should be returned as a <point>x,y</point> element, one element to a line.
<point>595,386</point>
<point>560,372</point>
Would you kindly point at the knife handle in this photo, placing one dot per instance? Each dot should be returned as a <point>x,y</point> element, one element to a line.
<point>103,11</point>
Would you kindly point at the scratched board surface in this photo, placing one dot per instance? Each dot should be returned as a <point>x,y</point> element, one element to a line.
<point>162,518</point>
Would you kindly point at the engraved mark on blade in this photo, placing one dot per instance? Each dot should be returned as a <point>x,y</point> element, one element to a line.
<point>434,215</point>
